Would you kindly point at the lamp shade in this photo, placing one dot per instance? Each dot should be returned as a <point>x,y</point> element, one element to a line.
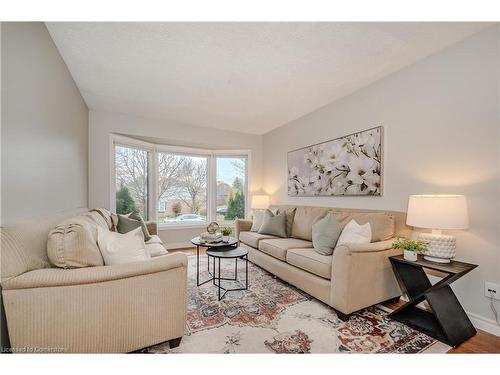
<point>437,212</point>
<point>260,202</point>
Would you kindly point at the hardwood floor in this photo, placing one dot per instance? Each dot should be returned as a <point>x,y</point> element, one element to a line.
<point>482,342</point>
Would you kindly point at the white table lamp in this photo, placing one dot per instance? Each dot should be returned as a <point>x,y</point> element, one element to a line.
<point>438,212</point>
<point>260,202</point>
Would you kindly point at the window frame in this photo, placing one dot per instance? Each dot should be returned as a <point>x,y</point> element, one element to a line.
<point>153,149</point>
<point>246,185</point>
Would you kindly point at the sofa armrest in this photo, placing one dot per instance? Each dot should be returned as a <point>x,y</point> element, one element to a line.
<point>152,227</point>
<point>52,277</point>
<point>242,225</point>
<point>369,247</point>
<point>362,276</point>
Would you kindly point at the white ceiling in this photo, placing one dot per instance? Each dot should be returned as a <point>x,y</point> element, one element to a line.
<point>247,77</point>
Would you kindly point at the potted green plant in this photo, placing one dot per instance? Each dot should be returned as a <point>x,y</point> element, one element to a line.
<point>226,232</point>
<point>411,248</point>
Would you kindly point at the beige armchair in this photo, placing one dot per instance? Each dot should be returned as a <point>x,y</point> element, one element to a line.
<point>107,309</point>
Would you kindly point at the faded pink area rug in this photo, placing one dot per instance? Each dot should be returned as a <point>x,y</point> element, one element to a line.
<point>275,317</point>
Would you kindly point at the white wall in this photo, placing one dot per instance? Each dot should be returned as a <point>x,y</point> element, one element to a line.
<point>440,118</point>
<point>44,127</point>
<point>102,124</point>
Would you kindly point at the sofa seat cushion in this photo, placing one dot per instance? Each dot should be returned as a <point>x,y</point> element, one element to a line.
<point>311,261</point>
<point>252,238</point>
<point>279,246</point>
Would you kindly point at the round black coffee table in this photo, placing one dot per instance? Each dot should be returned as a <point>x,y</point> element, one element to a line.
<point>228,253</point>
<point>217,246</point>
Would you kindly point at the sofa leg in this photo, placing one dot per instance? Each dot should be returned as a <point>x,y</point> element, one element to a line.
<point>342,316</point>
<point>174,343</point>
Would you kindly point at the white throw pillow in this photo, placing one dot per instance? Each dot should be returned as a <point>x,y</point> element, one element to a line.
<point>117,248</point>
<point>355,233</point>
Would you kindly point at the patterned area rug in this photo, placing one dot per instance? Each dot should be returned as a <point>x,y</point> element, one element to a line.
<point>274,317</point>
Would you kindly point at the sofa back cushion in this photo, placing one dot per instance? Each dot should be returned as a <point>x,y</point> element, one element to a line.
<point>73,243</point>
<point>381,223</point>
<point>290,215</point>
<point>384,224</point>
<point>304,219</point>
<point>24,244</point>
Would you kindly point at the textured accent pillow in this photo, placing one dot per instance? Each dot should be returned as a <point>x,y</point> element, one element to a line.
<point>325,234</point>
<point>73,243</point>
<point>135,215</point>
<point>274,224</point>
<point>117,248</point>
<point>355,233</point>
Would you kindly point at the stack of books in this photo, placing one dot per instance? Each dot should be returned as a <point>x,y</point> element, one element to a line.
<point>211,238</point>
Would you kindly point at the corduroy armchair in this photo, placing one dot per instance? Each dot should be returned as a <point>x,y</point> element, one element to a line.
<point>107,309</point>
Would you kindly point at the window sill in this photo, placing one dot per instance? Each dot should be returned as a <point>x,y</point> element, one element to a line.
<point>166,227</point>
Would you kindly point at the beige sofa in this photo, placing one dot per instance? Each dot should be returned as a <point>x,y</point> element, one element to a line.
<point>354,277</point>
<point>104,309</point>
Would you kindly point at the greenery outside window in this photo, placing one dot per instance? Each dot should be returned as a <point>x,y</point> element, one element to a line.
<point>131,169</point>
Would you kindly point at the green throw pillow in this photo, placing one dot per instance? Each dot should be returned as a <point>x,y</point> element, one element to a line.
<point>137,216</point>
<point>128,223</point>
<point>274,224</point>
<point>325,234</point>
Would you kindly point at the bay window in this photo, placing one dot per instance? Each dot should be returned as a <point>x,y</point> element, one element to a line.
<point>231,191</point>
<point>182,188</point>
<point>131,181</point>
<point>178,186</point>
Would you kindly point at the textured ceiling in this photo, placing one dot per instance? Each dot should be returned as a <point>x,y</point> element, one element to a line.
<point>247,77</point>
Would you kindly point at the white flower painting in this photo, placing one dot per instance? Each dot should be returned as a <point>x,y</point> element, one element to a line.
<point>350,165</point>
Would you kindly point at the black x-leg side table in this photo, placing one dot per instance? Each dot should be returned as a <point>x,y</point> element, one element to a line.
<point>219,246</point>
<point>447,322</point>
<point>237,253</point>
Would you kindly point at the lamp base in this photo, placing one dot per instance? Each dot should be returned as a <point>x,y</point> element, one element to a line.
<point>441,247</point>
<point>437,260</point>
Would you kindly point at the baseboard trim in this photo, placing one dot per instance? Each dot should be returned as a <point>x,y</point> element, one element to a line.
<point>484,324</point>
<point>179,245</point>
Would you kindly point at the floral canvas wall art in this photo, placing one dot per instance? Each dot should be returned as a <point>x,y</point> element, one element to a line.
<point>350,165</point>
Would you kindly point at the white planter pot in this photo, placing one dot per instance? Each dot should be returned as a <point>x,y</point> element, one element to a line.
<point>225,238</point>
<point>410,255</point>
